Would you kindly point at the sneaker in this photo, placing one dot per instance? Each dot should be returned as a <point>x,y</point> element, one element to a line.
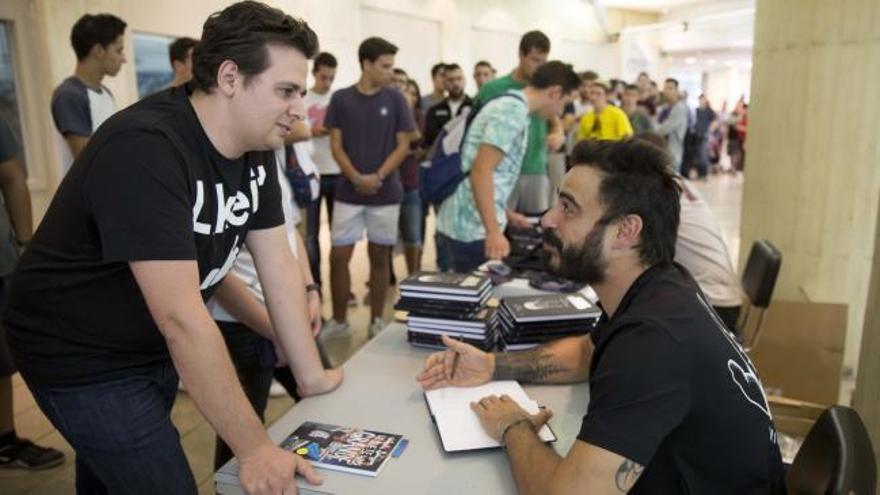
<point>376,327</point>
<point>352,300</point>
<point>332,329</point>
<point>277,390</point>
<point>24,454</point>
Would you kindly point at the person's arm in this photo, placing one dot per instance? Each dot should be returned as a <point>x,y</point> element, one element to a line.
<point>299,131</point>
<point>238,301</point>
<point>625,129</point>
<point>488,157</point>
<point>538,469</point>
<point>313,297</point>
<point>674,122</point>
<point>396,157</point>
<point>17,198</point>
<point>365,184</point>
<point>171,292</point>
<point>555,134</point>
<point>463,365</point>
<point>285,298</point>
<point>76,144</point>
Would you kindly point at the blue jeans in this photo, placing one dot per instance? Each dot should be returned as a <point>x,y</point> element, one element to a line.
<point>122,433</point>
<point>463,256</point>
<point>411,218</point>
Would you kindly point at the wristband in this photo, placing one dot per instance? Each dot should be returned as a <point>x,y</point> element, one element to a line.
<point>511,425</point>
<point>313,287</point>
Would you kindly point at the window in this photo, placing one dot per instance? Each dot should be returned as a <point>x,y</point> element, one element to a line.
<point>9,109</point>
<point>151,63</point>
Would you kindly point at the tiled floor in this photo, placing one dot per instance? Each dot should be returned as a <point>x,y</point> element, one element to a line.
<point>722,192</point>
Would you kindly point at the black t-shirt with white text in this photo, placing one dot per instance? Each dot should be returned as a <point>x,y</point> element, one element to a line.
<point>672,390</point>
<point>148,186</point>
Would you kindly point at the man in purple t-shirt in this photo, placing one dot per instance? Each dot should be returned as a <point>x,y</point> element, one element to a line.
<point>369,127</point>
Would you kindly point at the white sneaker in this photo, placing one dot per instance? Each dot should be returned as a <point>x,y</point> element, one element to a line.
<point>376,327</point>
<point>277,390</point>
<point>332,329</point>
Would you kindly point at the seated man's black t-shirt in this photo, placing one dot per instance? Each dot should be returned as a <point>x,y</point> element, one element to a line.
<point>149,186</point>
<point>671,390</point>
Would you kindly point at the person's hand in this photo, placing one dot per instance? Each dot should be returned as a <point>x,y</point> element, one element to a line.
<point>498,413</point>
<point>271,470</point>
<point>367,185</point>
<point>313,304</point>
<point>497,246</point>
<point>518,219</point>
<point>327,382</point>
<point>555,141</point>
<point>462,365</point>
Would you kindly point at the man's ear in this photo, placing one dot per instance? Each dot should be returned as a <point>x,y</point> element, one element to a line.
<point>628,231</point>
<point>97,51</point>
<point>227,77</point>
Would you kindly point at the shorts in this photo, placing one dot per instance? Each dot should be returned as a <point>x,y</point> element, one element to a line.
<point>411,218</point>
<point>349,222</point>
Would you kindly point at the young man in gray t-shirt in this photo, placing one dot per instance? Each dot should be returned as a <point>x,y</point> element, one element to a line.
<point>370,125</point>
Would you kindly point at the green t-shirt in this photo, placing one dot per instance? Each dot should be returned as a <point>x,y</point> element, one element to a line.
<point>535,161</point>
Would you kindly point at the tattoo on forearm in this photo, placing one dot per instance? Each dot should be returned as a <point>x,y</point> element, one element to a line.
<point>531,366</point>
<point>627,475</point>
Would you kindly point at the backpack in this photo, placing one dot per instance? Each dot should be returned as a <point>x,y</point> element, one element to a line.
<point>441,173</point>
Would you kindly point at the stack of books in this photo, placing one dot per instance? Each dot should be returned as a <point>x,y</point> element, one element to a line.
<point>529,321</point>
<point>452,304</point>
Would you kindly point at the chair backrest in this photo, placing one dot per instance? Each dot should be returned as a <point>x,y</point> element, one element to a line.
<point>759,276</point>
<point>835,458</point>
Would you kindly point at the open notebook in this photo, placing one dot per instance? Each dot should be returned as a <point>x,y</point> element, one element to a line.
<point>459,426</point>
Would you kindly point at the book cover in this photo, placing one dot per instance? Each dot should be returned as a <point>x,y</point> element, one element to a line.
<point>341,448</point>
<point>549,307</point>
<point>447,283</point>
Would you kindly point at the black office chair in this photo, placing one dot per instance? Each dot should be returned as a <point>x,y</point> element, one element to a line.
<point>835,458</point>
<point>758,280</point>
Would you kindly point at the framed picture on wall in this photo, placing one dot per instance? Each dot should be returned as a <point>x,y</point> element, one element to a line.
<point>151,64</point>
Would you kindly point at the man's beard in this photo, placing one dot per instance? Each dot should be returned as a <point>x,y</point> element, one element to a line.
<point>456,94</point>
<point>583,264</point>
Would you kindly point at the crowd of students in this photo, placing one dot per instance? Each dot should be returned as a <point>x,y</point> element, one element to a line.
<point>172,250</point>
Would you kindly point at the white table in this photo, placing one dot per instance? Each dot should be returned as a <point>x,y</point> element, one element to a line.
<point>380,393</point>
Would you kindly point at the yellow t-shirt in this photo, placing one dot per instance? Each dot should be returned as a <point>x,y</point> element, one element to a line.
<point>612,125</point>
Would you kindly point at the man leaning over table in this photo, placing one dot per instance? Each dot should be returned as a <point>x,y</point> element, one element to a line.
<point>675,404</point>
<point>106,307</point>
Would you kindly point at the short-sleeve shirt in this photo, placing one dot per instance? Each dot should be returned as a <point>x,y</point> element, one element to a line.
<point>673,391</point>
<point>79,110</point>
<point>611,124</point>
<point>535,159</point>
<point>369,126</point>
<point>148,186</point>
<point>504,124</point>
<point>316,109</point>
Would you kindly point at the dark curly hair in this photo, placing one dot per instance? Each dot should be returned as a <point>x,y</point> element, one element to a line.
<point>636,180</point>
<point>240,33</point>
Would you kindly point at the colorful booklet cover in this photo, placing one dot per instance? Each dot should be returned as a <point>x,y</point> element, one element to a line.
<point>341,448</point>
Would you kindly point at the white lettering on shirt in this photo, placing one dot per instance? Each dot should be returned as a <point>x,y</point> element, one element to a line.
<point>217,274</point>
<point>200,227</point>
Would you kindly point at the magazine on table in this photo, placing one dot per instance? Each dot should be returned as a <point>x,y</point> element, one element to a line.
<point>342,448</point>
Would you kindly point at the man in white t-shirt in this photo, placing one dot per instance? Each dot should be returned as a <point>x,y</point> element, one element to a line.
<point>317,99</point>
<point>701,249</point>
<point>80,104</point>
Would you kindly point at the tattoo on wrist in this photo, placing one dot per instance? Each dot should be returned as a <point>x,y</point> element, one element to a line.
<point>627,475</point>
<point>531,366</point>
